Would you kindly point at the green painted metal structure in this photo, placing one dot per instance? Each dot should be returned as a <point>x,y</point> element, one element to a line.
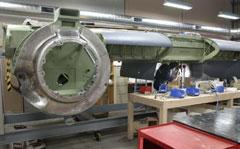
<point>70,69</point>
<point>184,49</point>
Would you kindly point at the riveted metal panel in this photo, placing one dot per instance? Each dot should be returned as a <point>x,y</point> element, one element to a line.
<point>136,38</point>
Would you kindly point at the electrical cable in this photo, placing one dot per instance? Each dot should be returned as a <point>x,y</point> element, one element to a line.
<point>216,94</point>
<point>217,104</point>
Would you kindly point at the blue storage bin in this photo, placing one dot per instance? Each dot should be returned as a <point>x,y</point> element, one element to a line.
<point>163,88</point>
<point>193,91</point>
<point>219,89</point>
<point>178,93</point>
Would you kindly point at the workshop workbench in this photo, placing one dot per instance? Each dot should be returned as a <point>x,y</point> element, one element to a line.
<point>164,103</point>
<point>224,123</point>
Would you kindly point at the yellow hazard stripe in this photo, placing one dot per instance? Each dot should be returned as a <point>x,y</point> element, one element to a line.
<point>8,74</point>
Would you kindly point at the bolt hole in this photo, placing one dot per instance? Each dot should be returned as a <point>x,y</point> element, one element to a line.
<point>17,127</point>
<point>88,70</point>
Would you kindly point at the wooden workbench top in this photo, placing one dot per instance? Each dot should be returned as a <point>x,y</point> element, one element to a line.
<point>150,99</point>
<point>161,97</point>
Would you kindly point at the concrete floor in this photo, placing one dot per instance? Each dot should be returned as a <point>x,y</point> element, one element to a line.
<point>109,141</point>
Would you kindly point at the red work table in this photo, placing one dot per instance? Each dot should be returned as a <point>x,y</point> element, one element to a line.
<point>176,135</point>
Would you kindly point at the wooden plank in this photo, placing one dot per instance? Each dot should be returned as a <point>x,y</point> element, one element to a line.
<point>130,120</point>
<point>1,96</point>
<point>230,103</point>
<point>145,100</point>
<point>163,115</point>
<point>200,100</point>
<point>187,101</point>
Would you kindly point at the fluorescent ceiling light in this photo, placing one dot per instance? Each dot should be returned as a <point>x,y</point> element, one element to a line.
<point>177,4</point>
<point>228,15</point>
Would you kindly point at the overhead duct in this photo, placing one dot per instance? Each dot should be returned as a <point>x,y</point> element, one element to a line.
<point>20,7</point>
<point>118,19</point>
<point>128,20</point>
<point>25,8</point>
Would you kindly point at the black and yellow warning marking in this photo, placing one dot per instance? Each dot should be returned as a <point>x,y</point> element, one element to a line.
<point>8,74</point>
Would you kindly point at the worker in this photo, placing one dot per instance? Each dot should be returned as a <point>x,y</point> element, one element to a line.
<point>165,73</point>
